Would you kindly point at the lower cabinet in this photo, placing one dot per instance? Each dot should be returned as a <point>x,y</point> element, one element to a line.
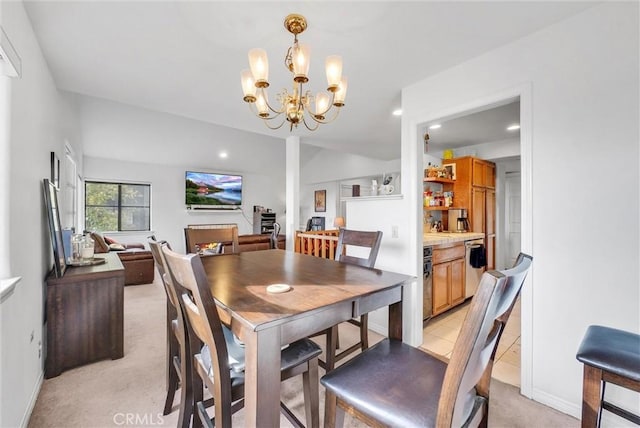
<point>448,277</point>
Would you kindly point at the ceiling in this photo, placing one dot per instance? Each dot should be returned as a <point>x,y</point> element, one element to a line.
<point>185,57</point>
<point>479,127</point>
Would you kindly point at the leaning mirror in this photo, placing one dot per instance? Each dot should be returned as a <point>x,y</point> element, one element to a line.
<point>53,214</point>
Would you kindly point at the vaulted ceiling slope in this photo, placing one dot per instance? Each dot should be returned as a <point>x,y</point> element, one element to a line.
<point>185,57</point>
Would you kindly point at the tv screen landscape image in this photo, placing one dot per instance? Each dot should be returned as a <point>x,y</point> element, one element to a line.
<point>209,190</point>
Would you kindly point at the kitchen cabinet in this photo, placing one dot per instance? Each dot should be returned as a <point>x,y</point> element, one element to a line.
<point>448,277</point>
<point>474,189</point>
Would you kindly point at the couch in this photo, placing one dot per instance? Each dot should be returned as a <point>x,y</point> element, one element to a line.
<point>259,242</point>
<point>138,262</point>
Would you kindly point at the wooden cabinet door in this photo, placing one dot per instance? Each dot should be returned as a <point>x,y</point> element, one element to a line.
<point>478,209</point>
<point>479,173</point>
<point>490,176</point>
<point>457,281</point>
<point>440,286</point>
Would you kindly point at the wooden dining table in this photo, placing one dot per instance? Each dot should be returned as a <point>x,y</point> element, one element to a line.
<point>323,293</point>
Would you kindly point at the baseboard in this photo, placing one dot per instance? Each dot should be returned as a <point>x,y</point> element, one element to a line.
<point>557,403</point>
<point>32,401</point>
<point>380,329</point>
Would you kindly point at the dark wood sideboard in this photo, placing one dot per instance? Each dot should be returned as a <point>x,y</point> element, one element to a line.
<point>85,315</point>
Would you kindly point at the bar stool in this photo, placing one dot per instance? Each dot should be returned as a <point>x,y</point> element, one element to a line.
<point>608,355</point>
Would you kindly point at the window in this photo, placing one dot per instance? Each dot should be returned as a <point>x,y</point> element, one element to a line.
<point>117,206</point>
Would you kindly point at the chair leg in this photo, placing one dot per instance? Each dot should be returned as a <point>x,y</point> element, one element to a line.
<point>310,384</point>
<point>332,347</point>
<point>591,394</point>
<point>173,380</point>
<point>364,331</point>
<point>330,407</point>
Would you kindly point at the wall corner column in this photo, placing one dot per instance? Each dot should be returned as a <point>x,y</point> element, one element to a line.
<point>292,189</point>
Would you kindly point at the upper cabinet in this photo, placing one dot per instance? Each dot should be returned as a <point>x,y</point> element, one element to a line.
<point>484,173</point>
<point>474,189</point>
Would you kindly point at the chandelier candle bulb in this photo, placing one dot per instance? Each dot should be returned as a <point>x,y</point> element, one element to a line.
<point>341,93</point>
<point>248,86</point>
<point>301,61</point>
<point>333,66</point>
<point>262,107</point>
<point>259,64</point>
<point>322,104</point>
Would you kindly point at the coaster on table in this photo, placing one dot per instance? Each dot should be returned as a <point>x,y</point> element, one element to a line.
<point>278,288</point>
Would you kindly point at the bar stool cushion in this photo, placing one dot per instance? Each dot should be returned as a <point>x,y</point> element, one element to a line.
<point>612,350</point>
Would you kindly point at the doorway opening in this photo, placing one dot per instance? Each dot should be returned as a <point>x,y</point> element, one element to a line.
<point>474,137</point>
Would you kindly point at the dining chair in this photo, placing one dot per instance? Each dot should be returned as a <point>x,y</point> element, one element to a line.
<point>395,384</point>
<point>353,238</point>
<point>273,239</point>
<point>219,365</point>
<point>197,238</point>
<point>178,364</point>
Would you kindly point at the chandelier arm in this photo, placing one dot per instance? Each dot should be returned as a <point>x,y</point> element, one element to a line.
<point>263,92</point>
<point>254,110</point>
<point>266,122</point>
<point>307,125</point>
<point>326,121</point>
<point>330,105</point>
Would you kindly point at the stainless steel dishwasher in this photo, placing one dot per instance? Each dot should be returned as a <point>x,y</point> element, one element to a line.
<point>472,275</point>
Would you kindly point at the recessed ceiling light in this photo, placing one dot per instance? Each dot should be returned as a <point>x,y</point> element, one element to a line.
<point>397,112</point>
<point>513,127</point>
<point>223,155</point>
<point>435,126</point>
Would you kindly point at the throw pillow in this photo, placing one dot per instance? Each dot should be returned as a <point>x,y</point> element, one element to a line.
<point>100,244</point>
<point>110,241</point>
<point>116,247</point>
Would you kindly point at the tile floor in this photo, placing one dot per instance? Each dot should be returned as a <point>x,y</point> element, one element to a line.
<point>440,334</point>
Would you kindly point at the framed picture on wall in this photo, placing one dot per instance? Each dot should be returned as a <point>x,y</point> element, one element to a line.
<point>320,197</point>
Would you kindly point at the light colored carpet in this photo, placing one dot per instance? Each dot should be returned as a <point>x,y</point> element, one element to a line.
<point>131,391</point>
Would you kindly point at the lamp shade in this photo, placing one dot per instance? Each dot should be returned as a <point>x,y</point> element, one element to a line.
<point>341,93</point>
<point>333,66</point>
<point>322,103</point>
<point>338,222</point>
<point>301,59</point>
<point>248,85</point>
<point>261,105</point>
<point>259,64</point>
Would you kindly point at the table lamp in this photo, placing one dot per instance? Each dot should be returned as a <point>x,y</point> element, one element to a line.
<point>338,222</point>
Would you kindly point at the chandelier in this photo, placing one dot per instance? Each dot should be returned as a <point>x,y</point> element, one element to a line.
<point>294,107</point>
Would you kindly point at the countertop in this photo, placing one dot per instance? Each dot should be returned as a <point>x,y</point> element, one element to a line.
<point>430,238</point>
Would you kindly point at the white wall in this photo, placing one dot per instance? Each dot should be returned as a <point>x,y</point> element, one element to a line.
<point>316,175</point>
<point>122,142</point>
<point>169,215</point>
<point>41,120</point>
<point>584,80</point>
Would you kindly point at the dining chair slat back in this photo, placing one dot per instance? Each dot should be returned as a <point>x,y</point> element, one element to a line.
<point>363,239</point>
<point>178,362</point>
<point>200,308</point>
<point>358,238</point>
<point>197,237</point>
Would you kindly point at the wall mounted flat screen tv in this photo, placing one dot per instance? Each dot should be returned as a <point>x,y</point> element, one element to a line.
<point>206,190</point>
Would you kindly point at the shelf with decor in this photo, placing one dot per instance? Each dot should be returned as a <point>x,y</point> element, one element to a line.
<point>439,180</point>
<point>436,208</point>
